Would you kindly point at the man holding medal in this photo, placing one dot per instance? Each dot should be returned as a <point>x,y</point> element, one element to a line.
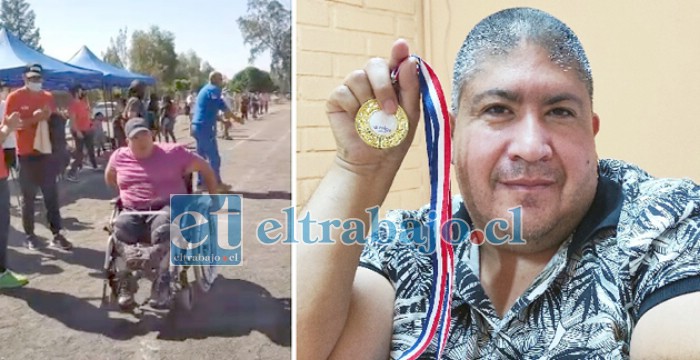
<point>610,262</point>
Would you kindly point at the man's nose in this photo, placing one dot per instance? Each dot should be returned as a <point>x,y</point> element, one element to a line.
<point>531,139</point>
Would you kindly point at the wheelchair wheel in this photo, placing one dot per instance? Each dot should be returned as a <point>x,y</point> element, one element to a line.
<point>204,277</point>
<point>184,299</point>
<point>108,292</point>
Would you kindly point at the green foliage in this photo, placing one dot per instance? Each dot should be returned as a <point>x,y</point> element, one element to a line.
<point>182,85</point>
<point>189,67</point>
<point>268,27</point>
<point>252,79</point>
<point>153,53</point>
<point>192,67</point>
<point>110,56</point>
<point>117,52</point>
<point>17,18</point>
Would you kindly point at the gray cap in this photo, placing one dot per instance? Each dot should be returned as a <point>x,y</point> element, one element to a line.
<point>134,126</point>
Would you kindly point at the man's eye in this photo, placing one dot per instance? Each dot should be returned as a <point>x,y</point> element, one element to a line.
<point>561,112</point>
<point>497,110</point>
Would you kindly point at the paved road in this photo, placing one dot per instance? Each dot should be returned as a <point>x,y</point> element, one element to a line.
<point>247,315</point>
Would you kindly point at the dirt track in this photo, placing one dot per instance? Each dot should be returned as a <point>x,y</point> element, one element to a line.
<point>247,314</point>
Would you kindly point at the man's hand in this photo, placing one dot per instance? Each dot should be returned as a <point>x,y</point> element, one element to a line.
<point>334,320</point>
<point>374,82</point>
<point>43,113</point>
<point>10,124</point>
<point>25,123</point>
<point>13,121</point>
<point>38,115</point>
<point>206,172</point>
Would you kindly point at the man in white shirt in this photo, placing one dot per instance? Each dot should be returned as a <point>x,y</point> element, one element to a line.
<point>189,105</point>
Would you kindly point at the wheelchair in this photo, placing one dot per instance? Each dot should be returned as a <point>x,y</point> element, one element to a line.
<point>117,267</point>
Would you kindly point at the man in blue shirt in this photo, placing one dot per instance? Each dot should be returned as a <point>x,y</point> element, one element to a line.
<point>207,106</point>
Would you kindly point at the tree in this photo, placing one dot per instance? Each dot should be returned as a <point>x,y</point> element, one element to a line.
<point>206,70</point>
<point>153,53</point>
<point>117,53</point>
<point>268,27</point>
<point>17,18</point>
<point>191,67</point>
<point>110,56</point>
<point>252,79</point>
<point>188,66</point>
<point>182,85</point>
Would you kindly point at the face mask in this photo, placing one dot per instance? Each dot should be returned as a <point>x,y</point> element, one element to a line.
<point>33,86</point>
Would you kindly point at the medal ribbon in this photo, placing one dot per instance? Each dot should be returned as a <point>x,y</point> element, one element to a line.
<point>437,132</point>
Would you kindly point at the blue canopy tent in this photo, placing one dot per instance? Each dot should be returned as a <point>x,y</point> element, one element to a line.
<point>112,75</point>
<point>16,55</point>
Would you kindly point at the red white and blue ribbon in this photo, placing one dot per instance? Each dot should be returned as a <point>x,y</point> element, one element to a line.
<point>437,132</point>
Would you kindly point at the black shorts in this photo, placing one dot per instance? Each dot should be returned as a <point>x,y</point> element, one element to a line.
<point>187,109</point>
<point>10,157</point>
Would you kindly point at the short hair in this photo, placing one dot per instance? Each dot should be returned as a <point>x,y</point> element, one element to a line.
<point>137,84</point>
<point>213,74</point>
<point>503,31</point>
<point>75,88</point>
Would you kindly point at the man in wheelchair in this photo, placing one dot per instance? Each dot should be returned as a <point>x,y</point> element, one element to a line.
<point>146,174</point>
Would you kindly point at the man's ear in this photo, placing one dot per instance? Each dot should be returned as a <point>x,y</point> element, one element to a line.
<point>596,123</point>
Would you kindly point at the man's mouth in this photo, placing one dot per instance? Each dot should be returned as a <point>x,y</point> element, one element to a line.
<point>528,184</point>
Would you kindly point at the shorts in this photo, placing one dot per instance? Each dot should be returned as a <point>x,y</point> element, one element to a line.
<point>10,157</point>
<point>152,121</point>
<point>168,124</point>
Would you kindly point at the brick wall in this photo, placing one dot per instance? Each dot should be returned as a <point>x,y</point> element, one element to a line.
<point>334,38</point>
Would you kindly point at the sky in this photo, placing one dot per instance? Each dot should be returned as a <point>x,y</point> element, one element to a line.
<point>208,27</point>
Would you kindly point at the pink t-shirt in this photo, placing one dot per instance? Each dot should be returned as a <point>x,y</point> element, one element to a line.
<point>146,183</point>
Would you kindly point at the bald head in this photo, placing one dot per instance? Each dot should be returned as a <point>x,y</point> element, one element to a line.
<point>216,78</point>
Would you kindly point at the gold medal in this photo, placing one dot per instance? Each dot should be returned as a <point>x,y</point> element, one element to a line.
<point>379,129</point>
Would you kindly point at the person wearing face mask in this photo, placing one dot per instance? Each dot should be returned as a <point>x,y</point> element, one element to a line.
<point>81,128</point>
<point>35,105</point>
